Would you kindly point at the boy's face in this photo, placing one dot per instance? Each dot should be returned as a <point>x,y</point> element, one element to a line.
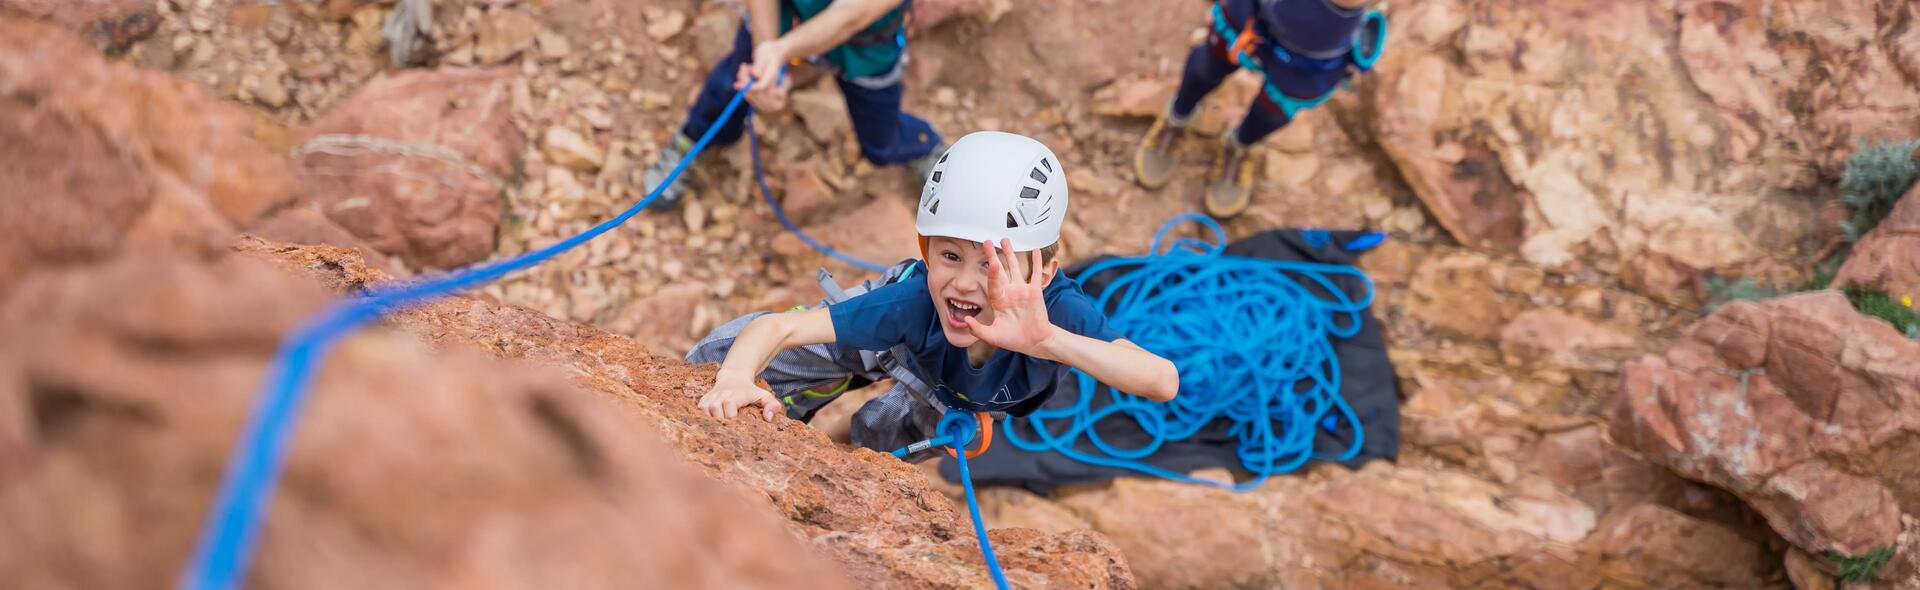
<point>957,280</point>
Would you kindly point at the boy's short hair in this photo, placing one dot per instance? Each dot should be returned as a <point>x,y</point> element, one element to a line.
<point>1046,254</point>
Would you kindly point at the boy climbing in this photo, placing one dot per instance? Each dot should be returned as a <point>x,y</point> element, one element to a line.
<point>982,324</point>
<point>1303,49</point>
<point>863,40</point>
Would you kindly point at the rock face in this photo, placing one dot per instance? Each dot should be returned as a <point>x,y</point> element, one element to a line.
<point>307,225</point>
<point>872,513</point>
<point>1392,527</point>
<point>411,467</point>
<point>1805,409</point>
<point>1887,259</point>
<point>880,232</point>
<point>414,163</point>
<point>1660,155</point>
<point>124,380</point>
<point>109,24</point>
<point>92,170</point>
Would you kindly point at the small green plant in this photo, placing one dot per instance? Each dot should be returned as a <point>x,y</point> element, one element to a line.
<point>1825,271</point>
<point>1877,174</point>
<point>1896,311</point>
<point>1721,291</point>
<point>1861,568</point>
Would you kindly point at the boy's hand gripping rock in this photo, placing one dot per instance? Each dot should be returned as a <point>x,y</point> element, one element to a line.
<point>729,396</point>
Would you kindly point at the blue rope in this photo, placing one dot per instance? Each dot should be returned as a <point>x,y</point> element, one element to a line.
<point>963,428</point>
<point>232,526</point>
<point>759,175</point>
<point>1252,339</point>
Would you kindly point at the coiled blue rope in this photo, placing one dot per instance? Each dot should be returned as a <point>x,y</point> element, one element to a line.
<point>1252,340</point>
<point>760,176</point>
<point>232,525</point>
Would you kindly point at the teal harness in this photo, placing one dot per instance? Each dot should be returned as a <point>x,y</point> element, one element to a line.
<point>1367,47</point>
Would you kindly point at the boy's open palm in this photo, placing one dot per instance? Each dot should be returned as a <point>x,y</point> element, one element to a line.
<point>1019,306</point>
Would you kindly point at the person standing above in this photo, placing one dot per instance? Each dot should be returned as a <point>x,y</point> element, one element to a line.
<point>1303,49</point>
<point>864,41</point>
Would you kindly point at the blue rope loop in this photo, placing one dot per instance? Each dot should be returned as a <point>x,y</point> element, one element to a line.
<point>232,526</point>
<point>959,428</point>
<point>760,176</point>
<point>1253,341</point>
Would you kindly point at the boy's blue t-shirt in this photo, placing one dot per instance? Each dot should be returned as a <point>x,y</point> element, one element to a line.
<point>903,313</point>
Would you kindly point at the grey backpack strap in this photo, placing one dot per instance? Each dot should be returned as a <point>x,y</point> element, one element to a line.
<point>834,293</point>
<point>892,363</point>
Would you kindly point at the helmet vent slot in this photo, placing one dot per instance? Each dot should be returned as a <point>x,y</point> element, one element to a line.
<point>1010,223</point>
<point>1029,193</point>
<point>1037,176</point>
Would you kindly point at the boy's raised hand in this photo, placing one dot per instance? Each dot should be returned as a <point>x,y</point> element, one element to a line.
<point>729,396</point>
<point>1019,307</point>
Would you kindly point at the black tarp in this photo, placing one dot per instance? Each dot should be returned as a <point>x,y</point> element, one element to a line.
<point>1367,384</point>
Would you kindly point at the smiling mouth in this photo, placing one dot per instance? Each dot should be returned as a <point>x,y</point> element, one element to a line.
<point>959,311</point>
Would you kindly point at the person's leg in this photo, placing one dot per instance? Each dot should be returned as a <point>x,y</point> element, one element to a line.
<point>1230,180</point>
<point>714,95</point>
<point>1262,119</point>
<point>1153,163</point>
<point>887,135</point>
<point>717,91</point>
<point>805,378</point>
<point>1206,69</point>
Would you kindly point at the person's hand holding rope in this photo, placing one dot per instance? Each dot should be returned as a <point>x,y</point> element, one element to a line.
<point>769,93</point>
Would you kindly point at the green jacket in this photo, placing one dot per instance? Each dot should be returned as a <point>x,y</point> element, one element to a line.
<point>873,51</point>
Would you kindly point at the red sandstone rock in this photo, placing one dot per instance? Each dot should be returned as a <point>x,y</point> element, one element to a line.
<point>1800,406</point>
<point>414,164</point>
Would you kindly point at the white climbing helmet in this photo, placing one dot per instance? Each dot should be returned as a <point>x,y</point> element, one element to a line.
<point>992,185</point>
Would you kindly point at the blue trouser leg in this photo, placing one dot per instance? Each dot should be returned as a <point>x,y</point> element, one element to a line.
<point>1263,118</point>
<point>717,91</point>
<point>887,135</point>
<point>1204,73</point>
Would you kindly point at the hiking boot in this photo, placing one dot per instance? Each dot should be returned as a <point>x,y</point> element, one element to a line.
<point>923,166</point>
<point>670,156</point>
<point>1230,183</point>
<point>1153,162</point>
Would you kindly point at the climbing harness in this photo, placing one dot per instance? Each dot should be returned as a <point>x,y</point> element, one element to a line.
<point>986,439</point>
<point>232,526</point>
<point>1251,338</point>
<point>1367,46</point>
<point>891,29</point>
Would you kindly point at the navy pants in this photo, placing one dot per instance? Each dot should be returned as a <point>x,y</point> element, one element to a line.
<point>886,134</point>
<point>1209,65</point>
